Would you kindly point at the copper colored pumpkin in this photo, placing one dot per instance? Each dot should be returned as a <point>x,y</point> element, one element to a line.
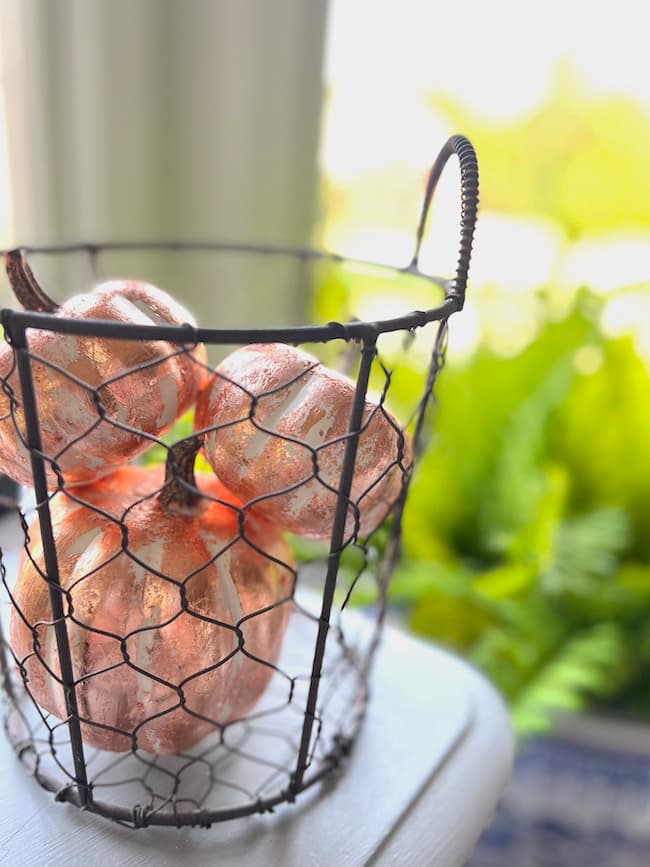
<point>276,422</point>
<point>170,638</point>
<point>87,443</point>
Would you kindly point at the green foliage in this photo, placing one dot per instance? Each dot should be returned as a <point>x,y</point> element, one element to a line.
<point>526,536</point>
<point>577,160</point>
<point>493,426</point>
<point>603,434</point>
<point>592,661</point>
<point>527,531</point>
<point>181,429</point>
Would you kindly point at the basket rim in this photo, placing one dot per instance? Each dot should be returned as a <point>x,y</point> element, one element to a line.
<point>16,322</point>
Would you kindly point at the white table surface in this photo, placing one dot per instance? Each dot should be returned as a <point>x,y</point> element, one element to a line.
<point>424,778</point>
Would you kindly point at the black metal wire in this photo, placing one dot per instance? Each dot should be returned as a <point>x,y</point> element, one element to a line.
<point>32,423</point>
<point>466,154</point>
<point>336,542</point>
<point>311,717</point>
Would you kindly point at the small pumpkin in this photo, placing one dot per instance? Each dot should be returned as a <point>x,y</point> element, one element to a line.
<point>171,636</point>
<point>144,385</point>
<point>275,422</point>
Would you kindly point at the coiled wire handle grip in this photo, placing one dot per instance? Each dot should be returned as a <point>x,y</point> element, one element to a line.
<point>466,154</point>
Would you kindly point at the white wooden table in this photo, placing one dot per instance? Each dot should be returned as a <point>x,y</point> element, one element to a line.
<point>423,780</point>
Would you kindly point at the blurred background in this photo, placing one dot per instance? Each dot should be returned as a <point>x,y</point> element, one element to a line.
<point>527,544</point>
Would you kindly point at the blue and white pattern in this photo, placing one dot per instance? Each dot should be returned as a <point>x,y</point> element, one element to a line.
<point>570,805</point>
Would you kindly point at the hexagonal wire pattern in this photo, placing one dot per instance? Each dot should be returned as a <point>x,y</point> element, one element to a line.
<point>310,712</point>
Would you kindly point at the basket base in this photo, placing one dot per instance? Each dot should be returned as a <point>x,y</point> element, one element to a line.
<point>423,780</point>
<point>246,769</point>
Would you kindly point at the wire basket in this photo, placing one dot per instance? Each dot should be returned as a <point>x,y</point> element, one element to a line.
<point>239,676</point>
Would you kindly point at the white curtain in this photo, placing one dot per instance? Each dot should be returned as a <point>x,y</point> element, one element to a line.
<point>160,119</point>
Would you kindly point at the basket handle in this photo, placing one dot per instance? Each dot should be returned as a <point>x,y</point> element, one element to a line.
<point>466,154</point>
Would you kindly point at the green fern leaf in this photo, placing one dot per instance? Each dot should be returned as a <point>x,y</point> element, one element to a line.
<point>592,663</point>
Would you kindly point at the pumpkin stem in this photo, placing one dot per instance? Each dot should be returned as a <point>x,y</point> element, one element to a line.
<point>177,494</point>
<point>25,286</point>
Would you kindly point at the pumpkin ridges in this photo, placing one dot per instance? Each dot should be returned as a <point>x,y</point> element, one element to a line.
<point>276,427</point>
<point>222,692</point>
<point>88,442</point>
<point>210,683</point>
<point>139,619</point>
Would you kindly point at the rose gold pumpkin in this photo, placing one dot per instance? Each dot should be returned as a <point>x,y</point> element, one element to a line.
<point>275,418</point>
<point>149,400</point>
<point>215,656</point>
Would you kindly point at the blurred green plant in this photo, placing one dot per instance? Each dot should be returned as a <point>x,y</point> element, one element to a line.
<point>182,428</point>
<point>578,160</point>
<point>526,540</point>
<point>527,532</point>
<point>527,537</point>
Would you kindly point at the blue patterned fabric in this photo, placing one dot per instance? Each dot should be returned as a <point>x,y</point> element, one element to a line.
<point>570,805</point>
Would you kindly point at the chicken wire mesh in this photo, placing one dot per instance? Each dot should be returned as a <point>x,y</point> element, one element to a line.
<point>181,646</point>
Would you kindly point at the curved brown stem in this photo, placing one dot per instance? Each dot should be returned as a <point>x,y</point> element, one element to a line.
<point>25,286</point>
<point>179,492</point>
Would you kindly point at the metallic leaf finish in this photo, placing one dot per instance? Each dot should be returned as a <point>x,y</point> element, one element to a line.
<point>172,635</point>
<point>277,419</point>
<point>87,442</point>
